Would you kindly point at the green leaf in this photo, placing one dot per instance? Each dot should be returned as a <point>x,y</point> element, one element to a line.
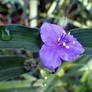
<point>12,84</point>
<point>26,89</point>
<point>21,37</point>
<point>84,36</point>
<point>11,66</point>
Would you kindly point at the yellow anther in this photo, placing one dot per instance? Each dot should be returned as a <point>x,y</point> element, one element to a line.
<point>58,39</point>
<point>69,33</point>
<point>73,42</point>
<point>64,44</point>
<point>67,47</point>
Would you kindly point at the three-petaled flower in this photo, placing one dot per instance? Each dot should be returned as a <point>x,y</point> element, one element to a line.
<point>58,46</point>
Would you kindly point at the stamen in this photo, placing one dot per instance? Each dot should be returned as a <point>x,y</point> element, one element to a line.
<point>69,33</point>
<point>67,47</point>
<point>64,44</point>
<point>73,42</point>
<point>58,39</point>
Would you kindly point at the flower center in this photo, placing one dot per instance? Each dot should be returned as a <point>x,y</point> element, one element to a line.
<point>63,41</point>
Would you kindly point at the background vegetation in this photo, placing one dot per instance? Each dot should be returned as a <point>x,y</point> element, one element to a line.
<point>20,66</point>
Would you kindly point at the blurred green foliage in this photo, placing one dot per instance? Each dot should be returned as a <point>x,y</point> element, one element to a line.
<point>20,67</point>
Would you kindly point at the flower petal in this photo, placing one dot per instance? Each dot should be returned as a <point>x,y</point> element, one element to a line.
<point>74,50</point>
<point>49,57</point>
<point>50,33</point>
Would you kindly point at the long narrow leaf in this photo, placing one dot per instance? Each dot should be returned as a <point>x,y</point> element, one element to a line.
<point>11,66</point>
<point>21,37</point>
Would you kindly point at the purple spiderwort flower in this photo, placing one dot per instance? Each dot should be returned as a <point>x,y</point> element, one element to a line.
<point>58,46</point>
